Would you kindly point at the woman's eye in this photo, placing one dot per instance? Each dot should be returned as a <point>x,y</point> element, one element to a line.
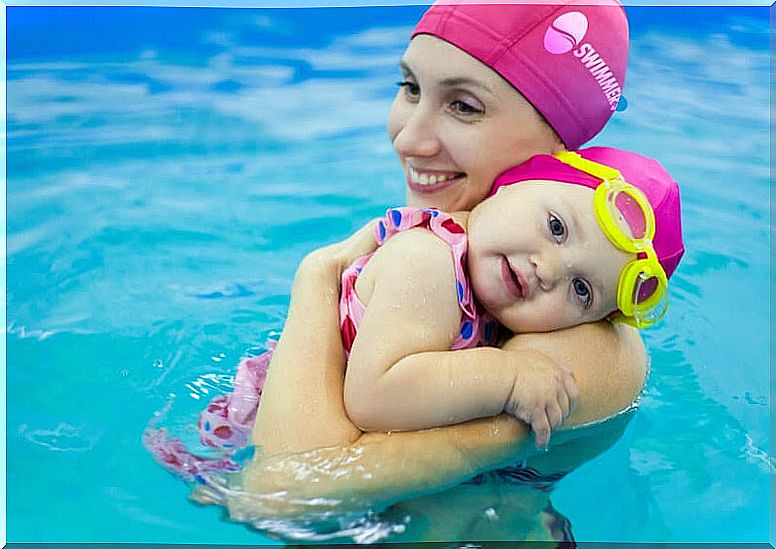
<point>466,108</point>
<point>411,89</point>
<point>582,291</point>
<point>557,228</point>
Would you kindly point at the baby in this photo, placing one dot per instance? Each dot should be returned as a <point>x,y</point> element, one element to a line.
<point>583,236</point>
<point>562,240</point>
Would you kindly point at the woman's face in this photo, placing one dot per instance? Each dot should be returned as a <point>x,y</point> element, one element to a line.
<point>455,125</point>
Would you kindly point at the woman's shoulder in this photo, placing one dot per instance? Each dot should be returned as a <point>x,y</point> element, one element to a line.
<point>608,360</point>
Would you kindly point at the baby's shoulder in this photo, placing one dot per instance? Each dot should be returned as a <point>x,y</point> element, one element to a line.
<point>413,250</point>
<point>412,271</point>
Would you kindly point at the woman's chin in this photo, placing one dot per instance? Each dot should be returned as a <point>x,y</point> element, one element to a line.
<point>447,198</point>
<point>424,200</point>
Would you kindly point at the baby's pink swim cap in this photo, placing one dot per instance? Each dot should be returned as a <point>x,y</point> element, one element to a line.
<point>644,173</point>
<point>567,57</point>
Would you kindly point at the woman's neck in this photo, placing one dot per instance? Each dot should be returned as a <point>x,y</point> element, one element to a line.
<point>462,218</point>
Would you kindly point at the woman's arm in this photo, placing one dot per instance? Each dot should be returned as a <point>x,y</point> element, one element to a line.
<point>609,362</point>
<point>302,408</point>
<point>301,404</point>
<point>378,469</point>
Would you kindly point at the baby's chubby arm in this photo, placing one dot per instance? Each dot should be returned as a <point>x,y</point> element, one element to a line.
<point>401,375</point>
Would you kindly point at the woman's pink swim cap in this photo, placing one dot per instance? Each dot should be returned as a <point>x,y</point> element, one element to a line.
<point>644,173</point>
<point>567,57</point>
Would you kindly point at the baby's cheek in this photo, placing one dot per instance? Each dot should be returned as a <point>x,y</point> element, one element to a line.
<point>558,313</point>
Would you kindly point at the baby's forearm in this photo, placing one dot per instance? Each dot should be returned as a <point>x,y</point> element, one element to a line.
<point>433,389</point>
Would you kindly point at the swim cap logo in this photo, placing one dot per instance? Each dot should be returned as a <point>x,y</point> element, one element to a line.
<point>567,33</point>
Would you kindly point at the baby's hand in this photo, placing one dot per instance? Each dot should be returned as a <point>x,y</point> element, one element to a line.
<point>543,395</point>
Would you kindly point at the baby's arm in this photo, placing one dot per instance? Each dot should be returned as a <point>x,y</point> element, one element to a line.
<point>400,375</point>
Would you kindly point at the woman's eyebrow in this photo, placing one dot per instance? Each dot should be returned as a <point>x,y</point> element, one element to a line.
<point>452,82</point>
<point>455,82</point>
<point>403,67</point>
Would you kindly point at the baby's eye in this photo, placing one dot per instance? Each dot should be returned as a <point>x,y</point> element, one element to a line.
<point>411,89</point>
<point>582,291</point>
<point>557,228</point>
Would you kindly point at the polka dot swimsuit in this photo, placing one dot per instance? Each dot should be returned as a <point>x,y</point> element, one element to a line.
<point>477,328</point>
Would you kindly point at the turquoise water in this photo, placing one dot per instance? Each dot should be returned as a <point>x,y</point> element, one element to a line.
<point>162,186</point>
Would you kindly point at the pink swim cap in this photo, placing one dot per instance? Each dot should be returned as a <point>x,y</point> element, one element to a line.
<point>644,173</point>
<point>567,57</point>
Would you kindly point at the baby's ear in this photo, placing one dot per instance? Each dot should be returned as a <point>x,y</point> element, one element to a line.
<point>617,317</point>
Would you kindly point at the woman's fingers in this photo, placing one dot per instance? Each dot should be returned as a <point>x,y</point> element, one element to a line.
<point>363,240</point>
<point>356,245</point>
<point>567,391</point>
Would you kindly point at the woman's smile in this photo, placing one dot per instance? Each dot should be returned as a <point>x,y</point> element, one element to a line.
<point>424,180</point>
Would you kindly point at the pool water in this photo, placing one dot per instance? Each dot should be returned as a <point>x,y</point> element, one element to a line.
<point>162,186</point>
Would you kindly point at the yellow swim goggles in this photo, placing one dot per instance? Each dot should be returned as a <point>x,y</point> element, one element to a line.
<point>628,221</point>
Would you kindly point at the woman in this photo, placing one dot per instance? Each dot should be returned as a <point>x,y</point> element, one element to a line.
<point>484,88</point>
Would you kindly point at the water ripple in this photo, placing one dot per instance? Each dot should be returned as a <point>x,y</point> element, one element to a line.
<point>63,438</point>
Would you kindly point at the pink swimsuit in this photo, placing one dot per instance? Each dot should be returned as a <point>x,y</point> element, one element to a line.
<point>228,419</point>
<point>477,328</point>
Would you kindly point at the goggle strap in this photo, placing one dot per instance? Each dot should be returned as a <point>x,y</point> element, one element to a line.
<point>590,167</point>
<point>634,314</point>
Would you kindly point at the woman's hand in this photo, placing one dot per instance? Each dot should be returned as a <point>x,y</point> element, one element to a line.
<point>345,252</point>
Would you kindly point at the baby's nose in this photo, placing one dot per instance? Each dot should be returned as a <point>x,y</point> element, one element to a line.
<point>551,269</point>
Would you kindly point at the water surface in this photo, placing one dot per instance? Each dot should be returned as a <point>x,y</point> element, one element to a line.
<point>168,168</point>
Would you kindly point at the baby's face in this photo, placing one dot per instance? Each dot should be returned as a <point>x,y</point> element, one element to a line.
<point>539,261</point>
